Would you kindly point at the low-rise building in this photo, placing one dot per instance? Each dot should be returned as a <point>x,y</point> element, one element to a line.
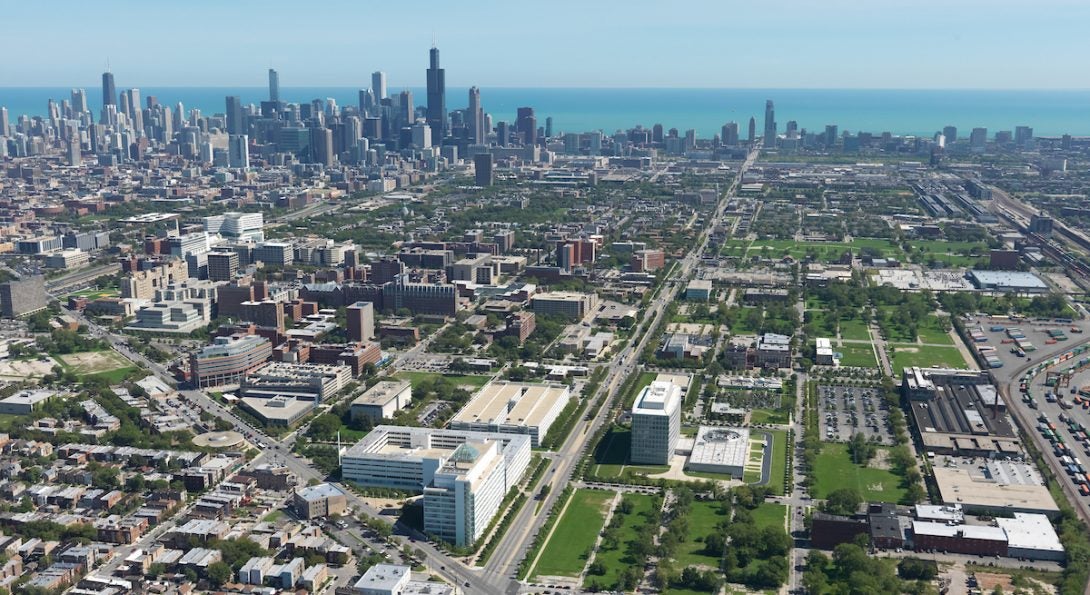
<point>319,500</point>
<point>513,408</point>
<point>382,400</point>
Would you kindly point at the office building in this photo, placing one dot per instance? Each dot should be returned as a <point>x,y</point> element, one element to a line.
<point>475,119</point>
<point>526,126</point>
<point>306,382</point>
<point>234,115</point>
<point>464,476</point>
<point>513,408</point>
<point>228,359</point>
<point>24,402</point>
<point>482,168</point>
<point>420,298</point>
<point>222,265</point>
<point>281,411</point>
<point>770,125</point>
<point>319,501</point>
<point>719,450</point>
<point>274,86</point>
<point>237,227</point>
<point>69,258</point>
<point>238,151</point>
<point>699,289</point>
<point>978,138</point>
<point>563,303</point>
<point>175,317</point>
<point>274,253</point>
<point>437,97</point>
<point>109,91</point>
<point>23,296</point>
<point>382,400</point>
<point>378,84</point>
<point>656,423</point>
<point>361,321</point>
<point>389,579</point>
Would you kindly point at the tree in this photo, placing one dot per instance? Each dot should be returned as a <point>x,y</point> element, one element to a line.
<point>844,501</point>
<point>219,573</point>
<point>914,569</point>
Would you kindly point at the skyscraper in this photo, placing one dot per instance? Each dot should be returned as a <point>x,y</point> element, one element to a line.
<point>238,151</point>
<point>4,121</point>
<point>830,135</point>
<point>79,100</point>
<point>234,115</point>
<point>378,84</point>
<point>437,97</point>
<point>482,166</point>
<point>109,91</point>
<point>405,108</point>
<point>549,127</point>
<point>730,134</point>
<point>475,118</point>
<point>752,129</point>
<point>951,134</point>
<point>274,86</point>
<point>770,124</point>
<point>526,126</point>
<point>136,115</point>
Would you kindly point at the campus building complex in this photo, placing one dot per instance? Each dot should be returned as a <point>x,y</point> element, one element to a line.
<point>463,475</point>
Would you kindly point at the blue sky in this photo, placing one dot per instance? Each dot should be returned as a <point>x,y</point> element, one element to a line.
<point>997,44</point>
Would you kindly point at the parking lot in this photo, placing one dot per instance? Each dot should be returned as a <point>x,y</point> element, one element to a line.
<point>847,410</point>
<point>1036,332</point>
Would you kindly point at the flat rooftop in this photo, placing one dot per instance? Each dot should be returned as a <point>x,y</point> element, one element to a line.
<point>513,403</point>
<point>726,447</point>
<point>959,485</point>
<point>382,392</point>
<point>1030,531</point>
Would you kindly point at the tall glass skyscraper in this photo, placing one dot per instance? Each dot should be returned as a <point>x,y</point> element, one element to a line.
<point>437,98</point>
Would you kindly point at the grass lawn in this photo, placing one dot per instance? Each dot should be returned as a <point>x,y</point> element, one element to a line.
<point>107,364</point>
<point>857,355</point>
<point>611,456</point>
<point>644,379</point>
<point>934,336</point>
<point>574,533</point>
<point>418,378</point>
<point>854,329</point>
<point>906,356</point>
<point>703,518</point>
<point>617,560</point>
<point>274,516</point>
<point>770,514</point>
<point>834,469</point>
<point>779,461</point>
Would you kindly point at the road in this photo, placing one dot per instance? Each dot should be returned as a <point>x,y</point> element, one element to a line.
<point>513,548</point>
<point>497,577</point>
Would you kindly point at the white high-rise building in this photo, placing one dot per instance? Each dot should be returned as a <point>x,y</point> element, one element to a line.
<point>245,227</point>
<point>465,493</point>
<point>656,423</point>
<point>463,475</point>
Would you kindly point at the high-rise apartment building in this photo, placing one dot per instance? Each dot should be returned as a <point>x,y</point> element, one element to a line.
<point>770,125</point>
<point>526,126</point>
<point>222,265</point>
<point>22,297</point>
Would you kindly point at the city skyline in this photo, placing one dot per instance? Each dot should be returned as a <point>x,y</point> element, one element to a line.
<point>836,46</point>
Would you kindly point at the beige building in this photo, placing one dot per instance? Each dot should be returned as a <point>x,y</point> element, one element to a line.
<point>319,501</point>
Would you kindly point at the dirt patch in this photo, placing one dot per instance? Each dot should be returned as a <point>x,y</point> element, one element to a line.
<point>22,369</point>
<point>93,362</point>
<point>880,460</point>
<point>988,582</point>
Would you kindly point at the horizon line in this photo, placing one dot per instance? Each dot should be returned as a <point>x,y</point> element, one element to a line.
<point>595,87</point>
